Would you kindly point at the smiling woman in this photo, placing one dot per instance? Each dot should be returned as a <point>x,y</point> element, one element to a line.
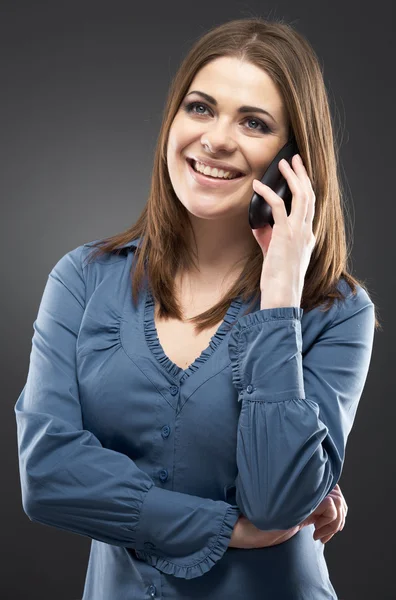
<point>194,435</point>
<point>243,90</point>
<point>223,137</point>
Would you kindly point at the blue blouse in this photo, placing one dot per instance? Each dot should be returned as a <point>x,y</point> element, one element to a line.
<point>154,463</point>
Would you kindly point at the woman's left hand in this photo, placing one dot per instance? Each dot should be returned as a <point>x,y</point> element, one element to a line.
<point>287,247</point>
<point>329,516</point>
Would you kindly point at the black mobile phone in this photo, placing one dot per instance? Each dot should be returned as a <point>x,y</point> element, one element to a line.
<point>260,212</point>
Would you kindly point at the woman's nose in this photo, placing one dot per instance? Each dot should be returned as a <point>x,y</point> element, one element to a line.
<point>218,137</point>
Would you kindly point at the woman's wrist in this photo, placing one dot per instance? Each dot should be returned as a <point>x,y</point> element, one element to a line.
<point>234,535</point>
<point>246,535</point>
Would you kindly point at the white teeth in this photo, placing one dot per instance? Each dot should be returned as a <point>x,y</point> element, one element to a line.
<point>219,173</point>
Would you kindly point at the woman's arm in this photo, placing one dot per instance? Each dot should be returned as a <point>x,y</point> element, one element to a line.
<point>71,482</point>
<point>246,535</point>
<point>296,412</point>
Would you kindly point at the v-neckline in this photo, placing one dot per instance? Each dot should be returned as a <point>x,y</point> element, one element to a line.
<point>153,342</point>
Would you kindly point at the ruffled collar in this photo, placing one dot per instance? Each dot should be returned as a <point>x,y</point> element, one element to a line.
<point>153,342</point>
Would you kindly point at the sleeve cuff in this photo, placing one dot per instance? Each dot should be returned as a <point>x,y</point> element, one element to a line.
<point>268,314</point>
<point>265,348</point>
<point>191,536</point>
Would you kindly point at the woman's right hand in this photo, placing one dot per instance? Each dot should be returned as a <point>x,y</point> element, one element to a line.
<point>247,535</point>
<point>328,518</point>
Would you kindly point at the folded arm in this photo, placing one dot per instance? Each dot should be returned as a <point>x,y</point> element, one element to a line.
<point>296,412</point>
<point>70,481</point>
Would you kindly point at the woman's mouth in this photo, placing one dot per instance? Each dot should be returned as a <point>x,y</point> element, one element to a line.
<point>208,180</point>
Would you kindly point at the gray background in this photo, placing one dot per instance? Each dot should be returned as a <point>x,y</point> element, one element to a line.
<point>83,87</point>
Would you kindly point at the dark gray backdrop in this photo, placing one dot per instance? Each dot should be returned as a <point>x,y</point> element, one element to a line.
<point>83,87</point>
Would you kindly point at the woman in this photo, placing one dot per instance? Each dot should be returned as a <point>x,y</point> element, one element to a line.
<point>194,423</point>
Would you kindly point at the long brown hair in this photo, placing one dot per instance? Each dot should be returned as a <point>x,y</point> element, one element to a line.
<point>288,58</point>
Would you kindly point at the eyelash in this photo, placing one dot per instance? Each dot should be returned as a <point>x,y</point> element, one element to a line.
<point>189,109</point>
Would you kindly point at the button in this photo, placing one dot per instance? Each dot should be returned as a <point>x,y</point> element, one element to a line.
<point>165,431</point>
<point>249,389</point>
<point>152,590</point>
<point>173,390</point>
<point>149,546</point>
<point>163,475</point>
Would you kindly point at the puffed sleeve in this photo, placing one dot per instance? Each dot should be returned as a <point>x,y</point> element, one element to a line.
<point>296,413</point>
<point>70,481</point>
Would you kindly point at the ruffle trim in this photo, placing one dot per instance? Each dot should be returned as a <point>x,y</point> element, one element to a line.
<point>250,320</point>
<point>153,342</point>
<point>202,565</point>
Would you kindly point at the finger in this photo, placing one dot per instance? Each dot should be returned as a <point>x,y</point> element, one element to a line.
<point>337,493</point>
<point>308,190</point>
<point>336,490</point>
<point>326,538</point>
<point>309,218</point>
<point>309,520</point>
<point>299,167</point>
<point>330,509</point>
<point>343,517</point>
<point>332,527</point>
<point>297,180</point>
<point>340,513</point>
<point>326,530</point>
<point>276,203</point>
<point>329,525</point>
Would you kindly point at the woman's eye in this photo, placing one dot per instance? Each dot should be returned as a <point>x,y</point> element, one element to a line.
<point>189,108</point>
<point>256,121</point>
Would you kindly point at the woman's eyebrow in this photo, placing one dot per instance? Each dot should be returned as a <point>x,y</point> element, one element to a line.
<point>241,109</point>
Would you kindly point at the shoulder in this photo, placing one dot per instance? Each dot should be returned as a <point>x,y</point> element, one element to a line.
<point>352,303</point>
<point>78,264</point>
<point>82,256</point>
<point>82,276</point>
<point>88,249</point>
<point>349,317</point>
<point>352,315</point>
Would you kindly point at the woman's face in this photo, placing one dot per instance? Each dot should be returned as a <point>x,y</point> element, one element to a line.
<point>247,141</point>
